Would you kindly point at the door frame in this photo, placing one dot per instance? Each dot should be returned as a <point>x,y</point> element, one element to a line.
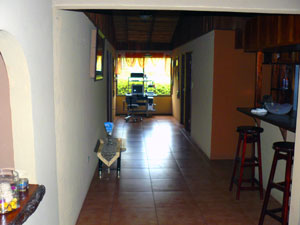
<point>109,84</point>
<point>182,88</point>
<point>188,92</point>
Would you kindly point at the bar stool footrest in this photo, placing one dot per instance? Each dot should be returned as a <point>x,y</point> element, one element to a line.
<point>236,181</point>
<point>272,213</point>
<point>279,186</point>
<point>249,164</point>
<point>255,188</point>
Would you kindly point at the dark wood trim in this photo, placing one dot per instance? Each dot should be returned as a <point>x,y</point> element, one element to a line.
<point>29,201</point>
<point>127,35</point>
<point>151,31</point>
<point>258,78</point>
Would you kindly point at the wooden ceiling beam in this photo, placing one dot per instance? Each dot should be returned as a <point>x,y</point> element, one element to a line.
<point>151,31</point>
<point>126,31</point>
<point>143,46</point>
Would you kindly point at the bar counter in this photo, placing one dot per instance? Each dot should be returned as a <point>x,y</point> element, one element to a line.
<point>29,201</point>
<point>287,122</point>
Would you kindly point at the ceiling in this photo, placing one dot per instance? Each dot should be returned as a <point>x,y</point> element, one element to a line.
<point>145,27</point>
<point>140,29</point>
<point>154,30</point>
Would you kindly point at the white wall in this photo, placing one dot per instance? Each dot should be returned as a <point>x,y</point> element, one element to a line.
<point>295,197</point>
<point>80,111</point>
<point>20,104</point>
<point>175,100</point>
<point>275,6</point>
<point>22,19</point>
<point>270,135</point>
<point>202,49</point>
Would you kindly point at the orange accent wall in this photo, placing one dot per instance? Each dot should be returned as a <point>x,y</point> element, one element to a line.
<point>233,86</point>
<point>6,140</point>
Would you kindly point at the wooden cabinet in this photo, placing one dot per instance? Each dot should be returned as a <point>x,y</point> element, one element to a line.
<point>282,83</point>
<point>271,31</point>
<point>250,37</point>
<point>267,31</point>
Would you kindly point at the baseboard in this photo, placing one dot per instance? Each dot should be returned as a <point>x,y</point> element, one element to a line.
<point>194,144</point>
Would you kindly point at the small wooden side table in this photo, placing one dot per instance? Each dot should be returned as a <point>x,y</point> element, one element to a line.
<point>29,202</point>
<point>109,151</point>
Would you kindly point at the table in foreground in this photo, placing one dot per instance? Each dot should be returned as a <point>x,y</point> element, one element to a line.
<point>29,202</point>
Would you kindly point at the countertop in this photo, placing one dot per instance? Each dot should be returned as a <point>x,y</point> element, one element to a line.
<point>287,122</point>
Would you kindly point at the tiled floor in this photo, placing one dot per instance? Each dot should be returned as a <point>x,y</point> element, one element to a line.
<point>165,180</point>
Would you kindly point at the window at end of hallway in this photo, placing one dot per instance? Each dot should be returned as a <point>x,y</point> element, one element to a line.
<point>157,70</point>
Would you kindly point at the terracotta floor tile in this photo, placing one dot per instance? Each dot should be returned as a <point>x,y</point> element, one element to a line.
<point>185,155</point>
<point>182,149</point>
<point>199,173</point>
<point>134,155</point>
<point>103,185</point>
<point>168,185</point>
<point>94,217</point>
<point>133,185</point>
<point>134,163</point>
<point>162,163</point>
<point>180,216</point>
<point>173,199</point>
<point>159,154</point>
<point>187,163</point>
<point>167,180</point>
<point>166,173</point>
<point>134,173</point>
<point>133,200</point>
<point>133,216</point>
<point>98,200</point>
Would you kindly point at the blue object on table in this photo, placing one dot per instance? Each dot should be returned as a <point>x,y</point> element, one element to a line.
<point>109,127</point>
<point>278,109</point>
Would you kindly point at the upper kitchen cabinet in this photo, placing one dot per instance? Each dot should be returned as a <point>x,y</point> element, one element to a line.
<point>250,36</point>
<point>269,32</point>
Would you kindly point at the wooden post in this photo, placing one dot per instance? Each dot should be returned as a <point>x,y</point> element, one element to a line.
<point>258,78</point>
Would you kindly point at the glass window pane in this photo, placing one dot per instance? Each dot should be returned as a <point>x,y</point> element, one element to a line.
<point>156,69</point>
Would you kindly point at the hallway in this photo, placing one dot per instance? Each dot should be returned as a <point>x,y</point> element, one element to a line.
<point>165,180</point>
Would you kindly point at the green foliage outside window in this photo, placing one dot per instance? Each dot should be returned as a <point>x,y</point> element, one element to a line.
<point>160,89</point>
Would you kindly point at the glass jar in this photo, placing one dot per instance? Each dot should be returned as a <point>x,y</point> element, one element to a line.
<point>9,194</point>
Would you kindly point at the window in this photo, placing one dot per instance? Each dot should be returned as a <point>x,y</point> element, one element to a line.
<point>157,69</point>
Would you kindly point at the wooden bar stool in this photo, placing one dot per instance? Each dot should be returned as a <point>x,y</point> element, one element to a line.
<point>283,151</point>
<point>248,135</point>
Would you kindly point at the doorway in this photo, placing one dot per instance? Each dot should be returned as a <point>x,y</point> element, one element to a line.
<point>109,67</point>
<point>188,92</point>
<point>185,91</point>
<point>182,90</point>
<point>6,139</point>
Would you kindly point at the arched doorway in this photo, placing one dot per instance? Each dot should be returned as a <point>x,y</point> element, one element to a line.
<point>18,81</point>
<point>6,140</point>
